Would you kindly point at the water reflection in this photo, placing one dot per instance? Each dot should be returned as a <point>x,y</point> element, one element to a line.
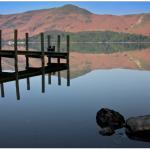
<point>136,128</point>
<point>2,90</point>
<point>32,72</point>
<point>65,117</point>
<point>95,47</point>
<point>145,137</point>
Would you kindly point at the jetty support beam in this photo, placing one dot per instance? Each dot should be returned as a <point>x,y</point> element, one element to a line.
<point>49,58</point>
<point>42,63</point>
<point>16,63</point>
<point>68,67</point>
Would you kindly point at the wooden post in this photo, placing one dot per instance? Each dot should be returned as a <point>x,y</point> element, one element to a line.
<point>49,58</point>
<point>2,90</point>
<point>68,76</point>
<point>2,85</point>
<point>58,59</point>
<point>16,50</point>
<point>42,63</point>
<point>49,78</point>
<point>48,40</point>
<point>16,63</point>
<point>27,49</point>
<point>68,68</point>
<point>42,49</point>
<point>0,49</point>
<point>58,47</point>
<point>28,83</point>
<point>48,47</point>
<point>27,59</point>
<point>17,89</point>
<point>59,78</point>
<point>43,80</point>
<point>68,48</point>
<point>0,39</point>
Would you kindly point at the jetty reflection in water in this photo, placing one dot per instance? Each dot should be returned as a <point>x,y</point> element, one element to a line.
<point>32,72</point>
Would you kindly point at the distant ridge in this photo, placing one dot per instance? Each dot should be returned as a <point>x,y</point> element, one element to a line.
<point>71,18</point>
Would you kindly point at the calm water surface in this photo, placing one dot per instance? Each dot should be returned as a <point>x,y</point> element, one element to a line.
<point>66,116</point>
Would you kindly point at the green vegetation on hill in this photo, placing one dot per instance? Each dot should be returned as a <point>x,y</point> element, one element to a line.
<point>96,36</point>
<point>88,41</point>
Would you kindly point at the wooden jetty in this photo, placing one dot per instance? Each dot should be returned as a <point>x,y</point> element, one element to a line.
<point>48,68</point>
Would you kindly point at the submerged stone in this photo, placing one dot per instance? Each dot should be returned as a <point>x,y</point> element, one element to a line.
<point>109,118</point>
<point>138,127</point>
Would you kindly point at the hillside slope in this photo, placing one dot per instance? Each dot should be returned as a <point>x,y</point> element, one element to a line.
<point>70,18</point>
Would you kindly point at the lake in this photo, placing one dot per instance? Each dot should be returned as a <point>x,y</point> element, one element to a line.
<point>65,116</point>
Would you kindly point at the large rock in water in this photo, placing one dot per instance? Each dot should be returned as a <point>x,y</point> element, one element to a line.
<point>138,128</point>
<point>107,118</point>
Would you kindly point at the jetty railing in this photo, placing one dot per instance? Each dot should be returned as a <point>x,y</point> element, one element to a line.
<point>50,53</point>
<point>31,71</point>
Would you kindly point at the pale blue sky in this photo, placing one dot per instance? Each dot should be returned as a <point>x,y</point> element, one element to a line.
<point>116,8</point>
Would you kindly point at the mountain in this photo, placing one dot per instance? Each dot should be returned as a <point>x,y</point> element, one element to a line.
<point>70,18</point>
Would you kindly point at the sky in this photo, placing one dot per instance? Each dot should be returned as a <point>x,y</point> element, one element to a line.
<point>115,8</point>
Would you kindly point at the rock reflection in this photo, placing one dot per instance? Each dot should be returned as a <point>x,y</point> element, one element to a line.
<point>136,128</point>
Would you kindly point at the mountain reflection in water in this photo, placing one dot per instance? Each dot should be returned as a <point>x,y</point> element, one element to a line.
<point>65,117</point>
<point>96,47</point>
